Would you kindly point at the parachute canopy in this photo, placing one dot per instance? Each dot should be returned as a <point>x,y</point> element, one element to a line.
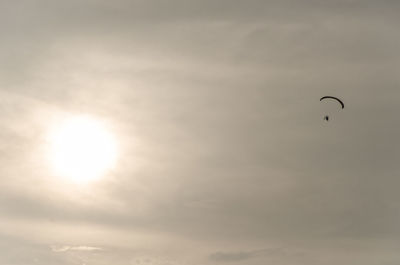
<point>334,98</point>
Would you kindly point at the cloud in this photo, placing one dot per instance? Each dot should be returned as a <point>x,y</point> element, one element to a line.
<point>245,255</point>
<point>231,256</point>
<point>74,248</point>
<point>208,98</point>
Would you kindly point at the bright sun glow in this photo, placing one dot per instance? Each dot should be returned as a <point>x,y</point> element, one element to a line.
<point>82,149</point>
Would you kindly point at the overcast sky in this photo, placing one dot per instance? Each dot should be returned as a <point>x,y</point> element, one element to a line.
<point>224,156</point>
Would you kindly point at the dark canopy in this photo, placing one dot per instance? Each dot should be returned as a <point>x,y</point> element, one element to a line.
<point>335,98</point>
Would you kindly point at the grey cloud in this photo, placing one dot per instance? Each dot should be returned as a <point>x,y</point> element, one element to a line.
<point>229,257</point>
<point>216,104</point>
<point>245,255</point>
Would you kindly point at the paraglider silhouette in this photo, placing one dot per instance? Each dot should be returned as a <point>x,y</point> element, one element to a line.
<point>334,98</point>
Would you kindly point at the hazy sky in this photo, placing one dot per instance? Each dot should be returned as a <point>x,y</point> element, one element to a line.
<point>224,157</point>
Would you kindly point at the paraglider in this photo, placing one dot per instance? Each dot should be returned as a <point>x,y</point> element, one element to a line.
<point>326,118</point>
<point>335,98</point>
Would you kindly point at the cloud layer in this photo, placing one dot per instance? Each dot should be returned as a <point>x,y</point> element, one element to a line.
<point>224,154</point>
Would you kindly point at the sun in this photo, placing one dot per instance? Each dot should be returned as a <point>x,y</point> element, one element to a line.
<point>81,149</point>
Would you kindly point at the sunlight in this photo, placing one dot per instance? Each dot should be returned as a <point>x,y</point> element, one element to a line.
<point>82,149</point>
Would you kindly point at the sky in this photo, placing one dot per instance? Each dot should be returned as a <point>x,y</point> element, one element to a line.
<point>223,153</point>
